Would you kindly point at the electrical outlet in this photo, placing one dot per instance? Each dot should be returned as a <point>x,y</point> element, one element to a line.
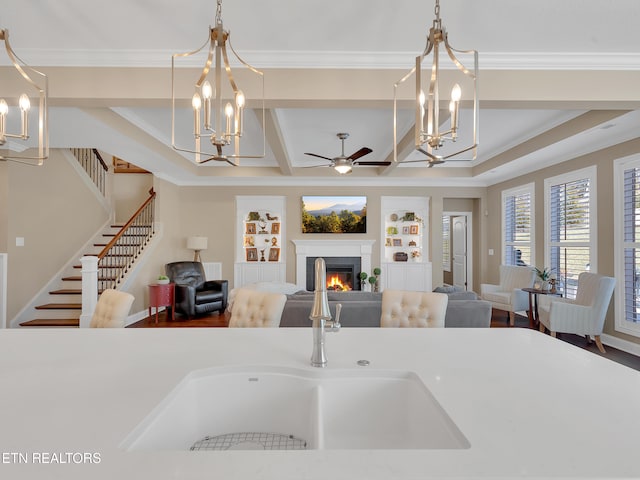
<point>19,241</point>
<point>491,251</point>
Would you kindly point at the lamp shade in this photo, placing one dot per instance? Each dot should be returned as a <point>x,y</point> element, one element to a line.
<point>197,243</point>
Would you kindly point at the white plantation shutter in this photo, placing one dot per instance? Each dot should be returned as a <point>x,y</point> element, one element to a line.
<point>571,232</point>
<point>631,227</point>
<point>517,226</point>
<point>446,243</point>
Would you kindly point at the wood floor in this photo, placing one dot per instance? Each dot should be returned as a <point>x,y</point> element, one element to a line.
<point>498,320</point>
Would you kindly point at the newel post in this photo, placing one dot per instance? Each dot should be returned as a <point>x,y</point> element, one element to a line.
<point>89,289</point>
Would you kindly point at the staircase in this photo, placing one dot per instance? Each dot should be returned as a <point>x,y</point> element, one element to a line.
<point>65,302</point>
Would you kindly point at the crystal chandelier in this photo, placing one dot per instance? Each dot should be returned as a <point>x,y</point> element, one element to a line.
<point>436,129</point>
<point>15,111</point>
<point>217,102</point>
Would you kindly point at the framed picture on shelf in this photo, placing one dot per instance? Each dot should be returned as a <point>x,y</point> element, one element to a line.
<point>413,230</point>
<point>387,242</point>
<point>275,228</point>
<point>397,242</point>
<point>409,217</point>
<point>405,230</point>
<point>249,241</point>
<point>252,254</point>
<point>274,254</point>
<point>250,229</point>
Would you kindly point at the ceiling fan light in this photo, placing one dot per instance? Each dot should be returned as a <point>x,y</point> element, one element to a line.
<point>343,169</point>
<point>343,166</point>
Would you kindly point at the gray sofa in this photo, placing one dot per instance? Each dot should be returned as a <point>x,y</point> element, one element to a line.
<point>363,309</point>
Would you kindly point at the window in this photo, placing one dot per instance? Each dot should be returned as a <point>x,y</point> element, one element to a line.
<point>518,220</point>
<point>446,243</point>
<point>570,220</point>
<point>627,245</point>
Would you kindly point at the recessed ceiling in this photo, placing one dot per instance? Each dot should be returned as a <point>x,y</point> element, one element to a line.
<point>330,67</point>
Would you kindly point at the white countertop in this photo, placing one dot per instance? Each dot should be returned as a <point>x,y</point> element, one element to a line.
<point>529,405</point>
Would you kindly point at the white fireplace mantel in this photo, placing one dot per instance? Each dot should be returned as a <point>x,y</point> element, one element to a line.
<point>330,248</point>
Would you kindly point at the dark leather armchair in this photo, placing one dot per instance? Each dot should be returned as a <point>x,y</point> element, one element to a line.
<point>194,295</point>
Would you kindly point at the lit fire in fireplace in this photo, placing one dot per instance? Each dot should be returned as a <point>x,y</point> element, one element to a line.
<point>335,283</point>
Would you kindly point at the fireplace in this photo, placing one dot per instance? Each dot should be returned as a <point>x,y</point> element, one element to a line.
<point>342,273</point>
<point>330,248</point>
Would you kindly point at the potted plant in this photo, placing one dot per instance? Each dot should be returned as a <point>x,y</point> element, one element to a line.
<point>163,280</point>
<point>374,283</point>
<point>363,279</point>
<point>376,273</point>
<point>544,275</point>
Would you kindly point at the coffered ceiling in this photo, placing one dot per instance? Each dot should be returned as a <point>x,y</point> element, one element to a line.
<point>557,80</point>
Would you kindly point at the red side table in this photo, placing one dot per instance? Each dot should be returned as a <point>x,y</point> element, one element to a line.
<point>162,296</point>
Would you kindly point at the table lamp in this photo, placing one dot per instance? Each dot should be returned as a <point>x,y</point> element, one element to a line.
<point>196,244</point>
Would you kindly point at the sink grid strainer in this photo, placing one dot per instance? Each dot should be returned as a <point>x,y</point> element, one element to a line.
<point>250,441</point>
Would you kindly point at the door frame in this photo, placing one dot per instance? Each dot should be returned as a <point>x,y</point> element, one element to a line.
<point>469,221</point>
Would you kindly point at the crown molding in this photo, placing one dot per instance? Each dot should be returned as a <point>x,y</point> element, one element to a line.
<point>331,60</point>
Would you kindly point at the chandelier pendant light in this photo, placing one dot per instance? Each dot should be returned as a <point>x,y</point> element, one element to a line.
<point>217,102</point>
<point>14,113</point>
<point>439,126</point>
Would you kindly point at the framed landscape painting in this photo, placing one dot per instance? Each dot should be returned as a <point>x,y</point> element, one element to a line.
<point>334,214</point>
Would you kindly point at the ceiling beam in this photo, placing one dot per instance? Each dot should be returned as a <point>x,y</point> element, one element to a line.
<point>275,139</point>
<point>405,147</point>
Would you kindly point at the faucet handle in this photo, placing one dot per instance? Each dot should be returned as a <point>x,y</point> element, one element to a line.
<point>335,325</point>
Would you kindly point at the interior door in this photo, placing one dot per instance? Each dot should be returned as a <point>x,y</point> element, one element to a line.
<point>460,251</point>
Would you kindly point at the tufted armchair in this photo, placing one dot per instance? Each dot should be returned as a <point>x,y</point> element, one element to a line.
<point>194,294</point>
<point>508,295</point>
<point>413,309</point>
<point>583,316</point>
<point>254,308</point>
<point>112,309</point>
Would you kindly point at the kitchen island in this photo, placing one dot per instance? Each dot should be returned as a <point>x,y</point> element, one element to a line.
<point>528,405</point>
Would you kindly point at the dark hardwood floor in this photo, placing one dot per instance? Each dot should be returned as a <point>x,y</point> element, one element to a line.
<point>498,320</point>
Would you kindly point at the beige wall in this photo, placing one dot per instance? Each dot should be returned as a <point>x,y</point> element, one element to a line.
<point>4,206</point>
<point>603,160</point>
<point>129,191</point>
<point>210,211</point>
<point>55,213</point>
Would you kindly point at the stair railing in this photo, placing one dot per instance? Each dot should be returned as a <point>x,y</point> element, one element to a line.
<point>94,165</point>
<point>110,266</point>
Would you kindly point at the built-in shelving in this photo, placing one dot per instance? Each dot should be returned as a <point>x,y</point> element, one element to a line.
<point>404,251</point>
<point>260,239</point>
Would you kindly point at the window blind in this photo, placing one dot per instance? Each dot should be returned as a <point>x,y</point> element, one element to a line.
<point>517,241</point>
<point>631,222</point>
<point>570,232</point>
<point>446,243</point>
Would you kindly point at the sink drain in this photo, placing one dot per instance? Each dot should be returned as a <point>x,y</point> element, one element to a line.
<point>250,441</point>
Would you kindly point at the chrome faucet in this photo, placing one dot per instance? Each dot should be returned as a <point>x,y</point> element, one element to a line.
<point>321,316</point>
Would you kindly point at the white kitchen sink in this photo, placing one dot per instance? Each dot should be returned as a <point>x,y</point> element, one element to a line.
<point>320,409</point>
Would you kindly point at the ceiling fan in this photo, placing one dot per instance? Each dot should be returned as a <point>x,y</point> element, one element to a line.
<point>343,164</point>
<point>435,159</point>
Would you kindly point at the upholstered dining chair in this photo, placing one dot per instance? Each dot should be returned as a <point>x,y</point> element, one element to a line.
<point>413,309</point>
<point>508,296</point>
<point>112,309</point>
<point>254,308</point>
<point>583,316</point>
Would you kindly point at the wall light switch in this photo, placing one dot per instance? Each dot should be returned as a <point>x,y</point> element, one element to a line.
<point>491,251</point>
<point>19,241</point>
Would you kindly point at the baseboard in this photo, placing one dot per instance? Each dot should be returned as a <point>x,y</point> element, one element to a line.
<point>620,344</point>
<point>141,315</point>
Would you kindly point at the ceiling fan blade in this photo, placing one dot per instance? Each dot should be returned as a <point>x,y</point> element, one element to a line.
<point>316,166</point>
<point>430,155</point>
<point>372,164</point>
<point>319,156</point>
<point>360,153</point>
